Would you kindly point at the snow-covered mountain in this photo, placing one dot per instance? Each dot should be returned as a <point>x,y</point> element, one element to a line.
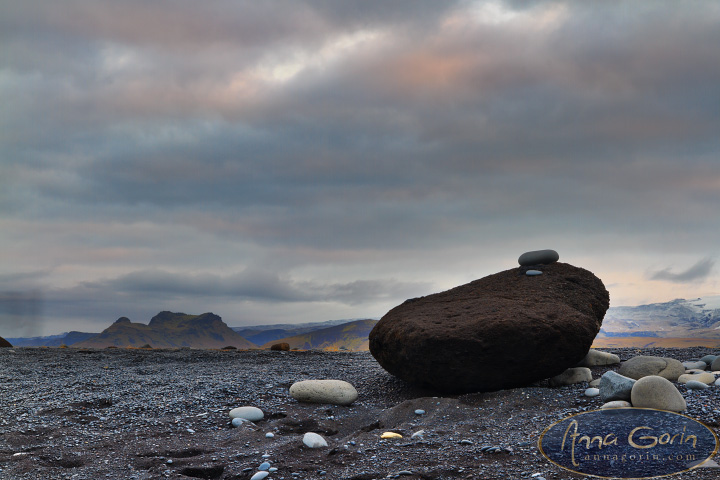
<point>680,318</point>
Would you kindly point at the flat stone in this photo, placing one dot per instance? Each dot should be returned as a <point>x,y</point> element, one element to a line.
<point>538,257</point>
<point>653,391</point>
<point>313,440</point>
<point>696,385</point>
<point>248,413</point>
<point>259,475</point>
<point>595,358</point>
<point>614,386</point>
<point>533,273</point>
<point>704,377</point>
<point>335,392</point>
<point>534,327</point>
<point>643,366</point>
<point>616,404</point>
<point>390,435</point>
<point>571,376</point>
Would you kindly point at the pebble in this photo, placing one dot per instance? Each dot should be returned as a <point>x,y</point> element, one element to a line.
<point>335,392</point>
<point>695,365</point>
<point>596,358</point>
<point>313,440</point>
<point>616,404</point>
<point>259,475</point>
<point>592,392</point>
<point>264,466</point>
<point>533,273</point>
<point>419,412</point>
<point>717,382</point>
<point>269,435</point>
<point>236,422</point>
<point>695,385</point>
<point>466,442</point>
<point>248,413</point>
<point>272,469</point>
<point>571,376</point>
<point>704,377</point>
<point>390,435</point>
<point>418,434</point>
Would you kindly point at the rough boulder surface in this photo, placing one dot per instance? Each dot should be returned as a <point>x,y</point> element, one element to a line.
<point>502,331</point>
<point>4,343</point>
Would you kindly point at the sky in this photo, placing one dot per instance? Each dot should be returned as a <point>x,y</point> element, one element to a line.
<point>296,161</point>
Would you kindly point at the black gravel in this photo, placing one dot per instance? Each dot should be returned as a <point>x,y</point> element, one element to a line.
<point>146,414</point>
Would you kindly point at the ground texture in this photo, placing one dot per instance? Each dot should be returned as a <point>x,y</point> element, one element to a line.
<point>136,414</point>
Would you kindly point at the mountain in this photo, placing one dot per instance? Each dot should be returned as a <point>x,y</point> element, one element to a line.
<point>167,330</point>
<point>67,338</point>
<point>680,318</point>
<point>351,336</point>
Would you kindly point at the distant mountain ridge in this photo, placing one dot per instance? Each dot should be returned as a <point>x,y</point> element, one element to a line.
<point>352,336</point>
<point>168,330</point>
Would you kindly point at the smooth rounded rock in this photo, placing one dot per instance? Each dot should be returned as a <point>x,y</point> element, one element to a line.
<point>695,365</point>
<point>614,386</point>
<point>592,392</point>
<point>535,328</point>
<point>595,383</point>
<point>696,385</point>
<point>704,377</point>
<point>708,359</point>
<point>643,366</point>
<point>616,404</point>
<point>259,475</point>
<point>390,435</point>
<point>313,440</point>
<point>572,376</point>
<point>533,273</point>
<point>248,413</point>
<point>715,365</point>
<point>264,466</point>
<point>653,391</point>
<point>717,382</point>
<point>538,257</point>
<point>335,392</point>
<point>595,358</point>
<point>419,412</point>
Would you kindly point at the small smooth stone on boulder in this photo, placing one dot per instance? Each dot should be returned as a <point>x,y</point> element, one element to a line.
<point>538,257</point>
<point>595,358</point>
<point>614,386</point>
<point>248,413</point>
<point>336,392</point>
<point>616,404</point>
<point>534,327</point>
<point>572,376</point>
<point>643,366</point>
<point>657,392</point>
<point>705,377</point>
<point>533,273</point>
<point>313,440</point>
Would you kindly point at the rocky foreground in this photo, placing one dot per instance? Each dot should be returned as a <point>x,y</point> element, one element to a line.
<point>137,414</point>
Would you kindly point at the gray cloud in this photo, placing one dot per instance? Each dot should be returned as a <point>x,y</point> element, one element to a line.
<point>697,272</point>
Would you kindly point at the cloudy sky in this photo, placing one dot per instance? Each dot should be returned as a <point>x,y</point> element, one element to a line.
<point>293,161</point>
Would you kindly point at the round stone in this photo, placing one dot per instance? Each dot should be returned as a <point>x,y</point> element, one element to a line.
<point>313,440</point>
<point>595,358</point>
<point>248,413</point>
<point>538,257</point>
<point>264,466</point>
<point>657,392</point>
<point>695,385</point>
<point>642,366</point>
<point>708,359</point>
<point>269,435</point>
<point>616,404</point>
<point>704,377</point>
<point>336,392</point>
<point>533,273</point>
<point>592,392</point>
<point>695,365</point>
<point>419,412</point>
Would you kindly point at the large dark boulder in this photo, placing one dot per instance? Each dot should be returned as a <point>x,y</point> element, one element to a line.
<point>502,331</point>
<point>4,343</point>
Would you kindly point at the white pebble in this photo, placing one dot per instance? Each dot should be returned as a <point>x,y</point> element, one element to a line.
<point>592,392</point>
<point>259,475</point>
<point>419,412</point>
<point>313,440</point>
<point>248,413</point>
<point>269,435</point>
<point>418,434</point>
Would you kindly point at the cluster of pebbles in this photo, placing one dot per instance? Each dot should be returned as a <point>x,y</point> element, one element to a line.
<point>131,414</point>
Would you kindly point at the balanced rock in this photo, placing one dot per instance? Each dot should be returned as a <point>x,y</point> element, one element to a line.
<point>571,376</point>
<point>283,347</point>
<point>643,366</point>
<point>536,327</point>
<point>657,392</point>
<point>614,386</point>
<point>4,343</point>
<point>336,392</point>
<point>595,358</point>
<point>538,257</point>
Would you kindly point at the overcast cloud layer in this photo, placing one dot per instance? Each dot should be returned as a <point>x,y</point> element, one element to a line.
<point>287,161</point>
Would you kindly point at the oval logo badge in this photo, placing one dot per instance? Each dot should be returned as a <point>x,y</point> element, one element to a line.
<point>628,443</point>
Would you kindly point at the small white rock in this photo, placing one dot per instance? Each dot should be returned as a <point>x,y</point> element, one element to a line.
<point>419,412</point>
<point>616,404</point>
<point>248,413</point>
<point>259,475</point>
<point>269,435</point>
<point>418,434</point>
<point>592,392</point>
<point>336,392</point>
<point>313,440</point>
